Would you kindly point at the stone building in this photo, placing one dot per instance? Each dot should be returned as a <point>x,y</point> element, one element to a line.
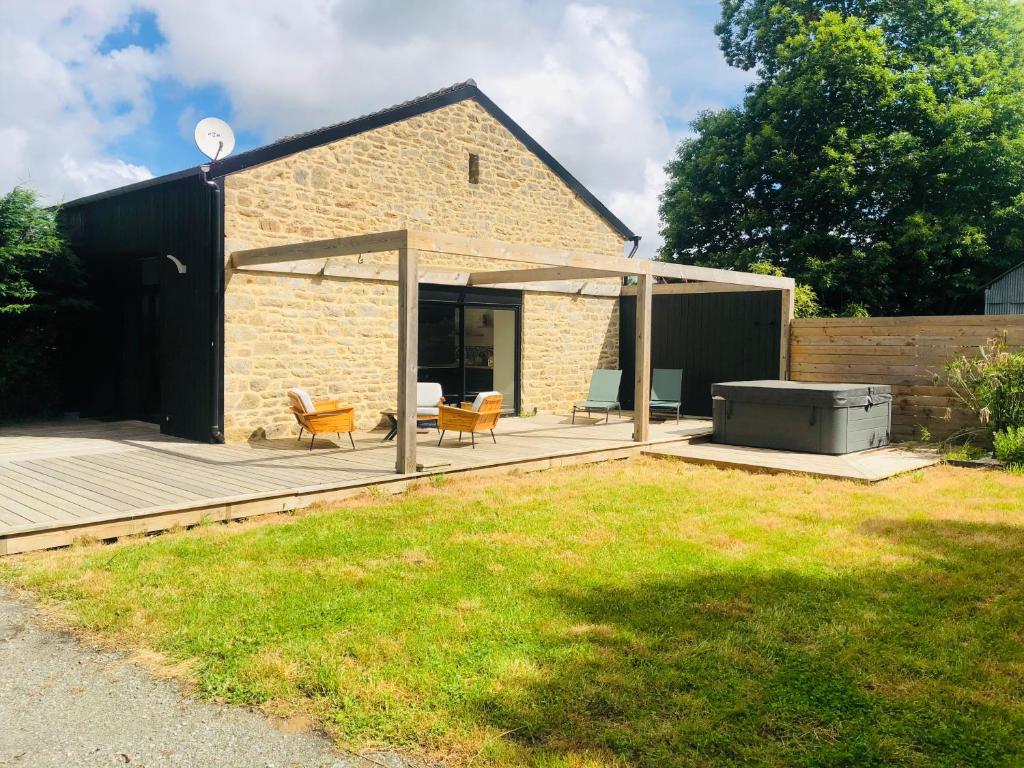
<point>209,350</point>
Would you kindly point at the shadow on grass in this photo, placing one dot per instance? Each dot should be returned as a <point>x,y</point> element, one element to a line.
<point>920,664</point>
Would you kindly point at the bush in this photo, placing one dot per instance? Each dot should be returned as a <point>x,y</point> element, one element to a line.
<point>805,300</point>
<point>991,384</point>
<point>1009,445</point>
<point>40,299</point>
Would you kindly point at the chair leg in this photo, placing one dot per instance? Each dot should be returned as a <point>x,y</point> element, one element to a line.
<point>677,414</point>
<point>352,440</point>
<point>493,438</point>
<point>460,437</point>
<point>440,438</point>
<point>607,414</point>
<point>312,438</point>
<point>301,430</point>
<point>472,436</point>
<point>574,414</point>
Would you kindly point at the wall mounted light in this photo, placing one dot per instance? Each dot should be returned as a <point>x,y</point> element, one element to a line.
<point>182,269</point>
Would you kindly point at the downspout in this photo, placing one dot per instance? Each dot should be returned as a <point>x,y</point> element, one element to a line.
<point>216,307</point>
<point>632,253</point>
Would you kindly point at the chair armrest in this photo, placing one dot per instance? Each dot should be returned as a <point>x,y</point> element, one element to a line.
<point>468,406</point>
<point>332,411</point>
<point>456,418</point>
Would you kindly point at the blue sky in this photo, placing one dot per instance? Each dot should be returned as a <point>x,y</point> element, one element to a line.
<point>106,92</point>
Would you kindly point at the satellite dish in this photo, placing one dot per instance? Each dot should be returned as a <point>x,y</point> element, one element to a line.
<point>214,138</point>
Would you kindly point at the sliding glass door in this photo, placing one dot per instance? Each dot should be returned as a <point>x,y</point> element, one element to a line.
<point>470,345</point>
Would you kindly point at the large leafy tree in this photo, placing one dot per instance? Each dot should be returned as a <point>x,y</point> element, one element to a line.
<point>878,156</point>
<point>41,287</point>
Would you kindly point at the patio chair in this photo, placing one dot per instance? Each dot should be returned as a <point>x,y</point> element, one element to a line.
<point>428,399</point>
<point>479,416</point>
<point>666,389</point>
<point>320,417</point>
<point>603,394</point>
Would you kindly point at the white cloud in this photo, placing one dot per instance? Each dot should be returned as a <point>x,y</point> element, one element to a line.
<point>63,101</point>
<point>574,79</point>
<point>575,76</point>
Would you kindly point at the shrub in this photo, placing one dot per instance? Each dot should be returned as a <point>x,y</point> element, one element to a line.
<point>1009,445</point>
<point>805,300</point>
<point>40,288</point>
<point>991,384</point>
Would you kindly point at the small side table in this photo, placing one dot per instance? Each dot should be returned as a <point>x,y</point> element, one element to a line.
<point>391,414</point>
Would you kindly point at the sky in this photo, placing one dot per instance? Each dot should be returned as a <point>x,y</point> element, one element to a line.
<point>95,94</point>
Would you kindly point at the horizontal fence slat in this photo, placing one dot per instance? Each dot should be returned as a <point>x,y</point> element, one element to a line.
<point>908,353</point>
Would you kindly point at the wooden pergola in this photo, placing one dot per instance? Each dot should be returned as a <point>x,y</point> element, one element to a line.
<point>550,270</point>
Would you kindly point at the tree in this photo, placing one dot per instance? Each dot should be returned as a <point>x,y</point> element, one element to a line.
<point>40,295</point>
<point>805,300</point>
<point>878,157</point>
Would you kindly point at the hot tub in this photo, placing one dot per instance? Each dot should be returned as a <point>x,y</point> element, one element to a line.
<point>802,416</point>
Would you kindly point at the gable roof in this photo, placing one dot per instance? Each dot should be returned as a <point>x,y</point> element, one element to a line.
<point>995,280</point>
<point>454,94</point>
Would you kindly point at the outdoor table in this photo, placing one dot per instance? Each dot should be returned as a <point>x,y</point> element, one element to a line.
<point>391,414</point>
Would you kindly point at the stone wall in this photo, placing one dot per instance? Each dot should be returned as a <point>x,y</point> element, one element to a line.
<point>337,337</point>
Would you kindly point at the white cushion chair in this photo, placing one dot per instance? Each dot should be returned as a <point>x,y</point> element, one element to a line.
<point>428,398</point>
<point>479,416</point>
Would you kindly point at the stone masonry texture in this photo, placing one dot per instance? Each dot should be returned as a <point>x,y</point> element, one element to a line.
<point>338,337</point>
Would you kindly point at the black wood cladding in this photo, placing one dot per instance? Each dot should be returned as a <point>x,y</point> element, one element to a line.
<point>114,236</point>
<point>712,336</point>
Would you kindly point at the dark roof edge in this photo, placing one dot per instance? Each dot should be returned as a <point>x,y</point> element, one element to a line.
<point>996,279</point>
<point>155,181</point>
<point>414,108</point>
<point>559,170</point>
<point>422,105</point>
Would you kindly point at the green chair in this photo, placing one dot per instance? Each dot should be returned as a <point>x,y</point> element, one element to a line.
<point>666,390</point>
<point>603,394</point>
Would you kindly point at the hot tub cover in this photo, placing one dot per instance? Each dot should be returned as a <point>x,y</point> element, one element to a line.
<point>803,393</point>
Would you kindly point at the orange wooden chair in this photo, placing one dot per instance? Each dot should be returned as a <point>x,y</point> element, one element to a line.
<point>323,416</point>
<point>479,416</point>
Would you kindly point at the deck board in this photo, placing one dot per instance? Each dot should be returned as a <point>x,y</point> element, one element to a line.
<point>60,481</point>
<point>866,467</point>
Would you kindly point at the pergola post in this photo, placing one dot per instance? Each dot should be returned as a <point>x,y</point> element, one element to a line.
<point>642,382</point>
<point>408,341</point>
<point>785,325</point>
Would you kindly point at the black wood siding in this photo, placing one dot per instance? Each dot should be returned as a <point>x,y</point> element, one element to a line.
<point>112,235</point>
<point>711,336</point>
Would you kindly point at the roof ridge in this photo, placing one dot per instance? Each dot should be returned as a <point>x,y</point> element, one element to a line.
<point>452,94</point>
<point>454,87</point>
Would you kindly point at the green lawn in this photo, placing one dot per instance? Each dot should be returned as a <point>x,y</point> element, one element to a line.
<point>633,613</point>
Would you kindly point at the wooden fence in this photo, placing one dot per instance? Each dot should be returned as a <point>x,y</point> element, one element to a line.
<point>908,353</point>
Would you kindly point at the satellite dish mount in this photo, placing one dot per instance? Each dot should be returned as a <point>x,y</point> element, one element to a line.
<point>214,138</point>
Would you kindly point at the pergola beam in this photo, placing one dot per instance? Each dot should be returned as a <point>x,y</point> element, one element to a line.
<point>376,242</point>
<point>493,249</point>
<point>541,275</point>
<point>663,289</point>
<point>531,254</point>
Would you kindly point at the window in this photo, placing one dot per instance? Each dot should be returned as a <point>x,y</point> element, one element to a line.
<point>474,168</point>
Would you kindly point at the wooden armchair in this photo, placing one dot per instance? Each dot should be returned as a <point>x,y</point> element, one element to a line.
<point>479,416</point>
<point>321,416</point>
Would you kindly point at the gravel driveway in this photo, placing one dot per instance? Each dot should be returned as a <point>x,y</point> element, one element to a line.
<point>63,704</point>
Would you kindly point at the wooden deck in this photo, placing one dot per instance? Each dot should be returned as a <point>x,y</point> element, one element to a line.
<point>60,481</point>
<point>865,467</point>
